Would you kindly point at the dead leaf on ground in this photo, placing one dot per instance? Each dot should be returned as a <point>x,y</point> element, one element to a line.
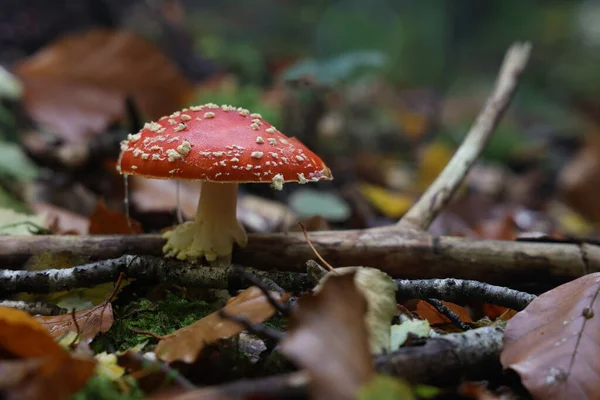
<point>105,222</point>
<point>186,344</point>
<point>554,343</point>
<point>328,336</point>
<point>87,323</point>
<point>37,368</point>
<point>428,312</point>
<point>61,221</point>
<point>77,84</point>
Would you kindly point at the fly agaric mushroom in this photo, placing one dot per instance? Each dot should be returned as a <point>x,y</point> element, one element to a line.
<point>220,146</point>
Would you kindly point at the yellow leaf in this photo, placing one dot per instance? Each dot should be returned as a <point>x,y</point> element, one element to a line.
<point>391,204</point>
<point>433,160</point>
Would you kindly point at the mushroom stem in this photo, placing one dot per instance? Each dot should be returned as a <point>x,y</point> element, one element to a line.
<point>213,231</point>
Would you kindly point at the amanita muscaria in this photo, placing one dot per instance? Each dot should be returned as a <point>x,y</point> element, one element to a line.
<point>220,146</point>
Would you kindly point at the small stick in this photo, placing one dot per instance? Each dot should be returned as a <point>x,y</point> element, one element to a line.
<point>151,334</point>
<point>257,329</point>
<point>162,367</point>
<point>259,282</point>
<point>35,307</point>
<point>448,313</point>
<point>435,198</point>
<point>313,248</point>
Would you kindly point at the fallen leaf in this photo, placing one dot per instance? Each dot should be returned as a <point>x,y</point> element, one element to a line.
<point>186,344</point>
<point>61,221</point>
<point>105,222</point>
<point>433,160</point>
<point>493,312</point>
<point>417,327</point>
<point>87,323</point>
<point>38,367</point>
<point>14,223</point>
<point>428,312</point>
<point>77,84</point>
<point>379,290</point>
<point>310,202</point>
<point>390,204</point>
<point>328,336</point>
<point>383,387</point>
<point>554,343</point>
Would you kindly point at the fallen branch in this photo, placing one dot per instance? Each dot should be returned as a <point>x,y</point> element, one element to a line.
<point>402,253</point>
<point>140,267</point>
<point>260,330</point>
<point>460,291</point>
<point>435,198</point>
<point>448,313</point>
<point>447,359</point>
<point>34,307</point>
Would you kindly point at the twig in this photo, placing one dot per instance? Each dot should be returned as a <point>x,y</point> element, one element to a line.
<point>305,233</point>
<point>448,313</point>
<point>35,307</point>
<point>287,386</point>
<point>162,367</point>
<point>140,267</point>
<point>402,253</point>
<point>448,358</point>
<point>266,285</point>
<point>422,214</point>
<point>460,290</point>
<point>151,334</point>
<point>258,329</point>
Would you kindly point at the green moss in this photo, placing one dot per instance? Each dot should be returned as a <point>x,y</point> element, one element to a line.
<point>278,323</point>
<point>161,318</point>
<point>102,388</point>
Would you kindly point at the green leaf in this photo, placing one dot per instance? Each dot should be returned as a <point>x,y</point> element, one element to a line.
<point>309,203</point>
<point>14,163</point>
<point>14,223</point>
<point>400,332</point>
<point>383,387</point>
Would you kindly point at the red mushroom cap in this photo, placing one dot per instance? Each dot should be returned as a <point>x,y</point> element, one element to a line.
<point>218,144</point>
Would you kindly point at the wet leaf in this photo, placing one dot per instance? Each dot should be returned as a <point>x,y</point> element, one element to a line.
<point>322,329</point>
<point>186,344</point>
<point>87,323</point>
<point>38,367</point>
<point>554,343</point>
<point>428,312</point>
<point>77,84</point>
<point>104,222</point>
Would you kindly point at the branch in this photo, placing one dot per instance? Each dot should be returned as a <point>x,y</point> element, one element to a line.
<point>34,307</point>
<point>448,358</point>
<point>448,313</point>
<point>402,253</point>
<point>460,291</point>
<point>435,198</point>
<point>140,267</point>
<point>260,330</point>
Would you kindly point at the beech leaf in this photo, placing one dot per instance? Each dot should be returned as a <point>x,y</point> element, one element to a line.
<point>328,336</point>
<point>37,367</point>
<point>186,344</point>
<point>554,343</point>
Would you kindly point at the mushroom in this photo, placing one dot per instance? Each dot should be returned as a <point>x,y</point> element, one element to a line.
<point>220,146</point>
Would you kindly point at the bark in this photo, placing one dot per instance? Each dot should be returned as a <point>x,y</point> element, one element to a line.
<point>402,253</point>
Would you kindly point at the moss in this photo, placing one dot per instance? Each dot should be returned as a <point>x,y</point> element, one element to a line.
<point>102,388</point>
<point>160,317</point>
<point>278,323</point>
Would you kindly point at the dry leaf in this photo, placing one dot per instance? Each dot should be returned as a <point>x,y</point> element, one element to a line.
<point>61,221</point>
<point>493,312</point>
<point>554,343</point>
<point>77,84</point>
<point>105,222</point>
<point>329,338</point>
<point>428,312</point>
<point>87,323</point>
<point>186,344</point>
<point>38,367</point>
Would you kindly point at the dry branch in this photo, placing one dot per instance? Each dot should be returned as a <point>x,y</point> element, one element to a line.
<point>459,291</point>
<point>435,198</point>
<point>402,253</point>
<point>34,307</point>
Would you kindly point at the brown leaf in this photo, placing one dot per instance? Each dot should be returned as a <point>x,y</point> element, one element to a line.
<point>428,312</point>
<point>77,84</point>
<point>87,323</point>
<point>329,338</point>
<point>61,221</point>
<point>554,343</point>
<point>37,368</point>
<point>186,344</point>
<point>105,222</point>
